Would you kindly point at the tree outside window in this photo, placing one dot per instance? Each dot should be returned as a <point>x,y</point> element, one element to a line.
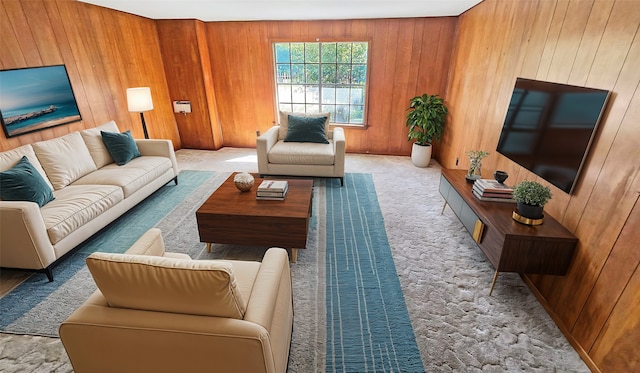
<point>323,77</point>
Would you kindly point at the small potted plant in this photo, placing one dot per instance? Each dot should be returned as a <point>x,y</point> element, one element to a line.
<point>426,118</point>
<point>475,164</point>
<point>531,197</point>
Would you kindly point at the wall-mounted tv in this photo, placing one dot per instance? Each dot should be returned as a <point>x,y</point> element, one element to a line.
<point>36,98</point>
<point>549,128</point>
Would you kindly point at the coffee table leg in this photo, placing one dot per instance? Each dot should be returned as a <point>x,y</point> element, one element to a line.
<point>294,255</point>
<point>208,247</point>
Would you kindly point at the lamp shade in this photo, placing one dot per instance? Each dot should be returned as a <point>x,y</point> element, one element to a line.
<point>139,99</point>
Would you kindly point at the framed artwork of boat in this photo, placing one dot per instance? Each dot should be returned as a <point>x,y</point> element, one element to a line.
<point>36,98</point>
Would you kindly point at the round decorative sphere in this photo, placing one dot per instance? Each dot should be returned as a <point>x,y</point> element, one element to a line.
<point>243,181</point>
<point>500,176</point>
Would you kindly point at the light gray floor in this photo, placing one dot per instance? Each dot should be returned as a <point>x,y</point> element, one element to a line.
<point>444,276</point>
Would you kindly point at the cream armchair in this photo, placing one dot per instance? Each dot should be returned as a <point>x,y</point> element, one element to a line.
<point>277,157</point>
<point>161,312</point>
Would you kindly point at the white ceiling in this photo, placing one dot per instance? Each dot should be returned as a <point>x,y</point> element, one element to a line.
<point>255,10</point>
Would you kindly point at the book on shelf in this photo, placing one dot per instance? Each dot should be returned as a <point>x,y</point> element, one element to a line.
<point>273,186</point>
<point>266,198</point>
<point>275,190</point>
<point>485,193</point>
<point>489,185</point>
<point>503,198</point>
<point>271,194</point>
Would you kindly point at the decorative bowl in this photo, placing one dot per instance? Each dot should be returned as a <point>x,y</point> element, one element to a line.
<point>243,181</point>
<point>500,176</point>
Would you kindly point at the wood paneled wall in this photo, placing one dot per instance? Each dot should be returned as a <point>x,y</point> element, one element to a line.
<point>105,53</point>
<point>580,42</point>
<point>187,64</point>
<point>408,57</point>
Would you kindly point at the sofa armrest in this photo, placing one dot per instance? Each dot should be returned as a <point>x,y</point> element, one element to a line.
<point>274,273</point>
<point>264,143</point>
<point>159,148</point>
<point>339,149</point>
<point>24,242</point>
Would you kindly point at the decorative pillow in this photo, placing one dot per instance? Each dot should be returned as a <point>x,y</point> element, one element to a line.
<point>23,182</point>
<point>284,122</point>
<point>306,129</point>
<point>121,146</point>
<point>93,139</point>
<point>153,283</point>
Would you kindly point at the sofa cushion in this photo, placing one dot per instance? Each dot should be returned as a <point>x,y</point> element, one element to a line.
<point>23,182</point>
<point>121,146</point>
<point>131,177</point>
<point>306,129</point>
<point>75,206</point>
<point>195,287</point>
<point>284,122</point>
<point>64,159</point>
<point>302,153</point>
<point>93,139</point>
<point>9,158</point>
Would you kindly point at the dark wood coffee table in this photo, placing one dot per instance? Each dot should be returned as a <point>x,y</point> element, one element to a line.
<point>232,217</point>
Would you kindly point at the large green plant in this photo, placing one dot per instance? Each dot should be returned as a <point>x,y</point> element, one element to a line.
<point>531,193</point>
<point>426,118</point>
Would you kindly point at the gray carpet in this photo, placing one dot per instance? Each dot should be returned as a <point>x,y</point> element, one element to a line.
<point>444,276</point>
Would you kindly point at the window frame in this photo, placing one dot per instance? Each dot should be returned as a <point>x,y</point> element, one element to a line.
<point>368,41</point>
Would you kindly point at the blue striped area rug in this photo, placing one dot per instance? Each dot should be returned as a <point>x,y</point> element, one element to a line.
<point>368,325</point>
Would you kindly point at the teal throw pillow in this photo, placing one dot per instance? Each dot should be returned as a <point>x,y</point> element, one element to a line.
<point>306,129</point>
<point>23,182</point>
<point>121,146</point>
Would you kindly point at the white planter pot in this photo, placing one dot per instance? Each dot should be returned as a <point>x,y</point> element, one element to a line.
<point>420,155</point>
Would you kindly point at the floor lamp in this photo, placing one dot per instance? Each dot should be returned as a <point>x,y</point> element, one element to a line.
<point>139,101</point>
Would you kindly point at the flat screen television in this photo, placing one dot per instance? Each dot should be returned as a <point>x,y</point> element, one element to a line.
<point>36,98</point>
<point>549,127</point>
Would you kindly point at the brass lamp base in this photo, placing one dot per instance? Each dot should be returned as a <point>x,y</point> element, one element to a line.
<point>528,221</point>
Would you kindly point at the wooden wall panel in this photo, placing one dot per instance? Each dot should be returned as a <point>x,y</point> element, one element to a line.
<point>592,43</point>
<point>186,59</point>
<point>105,53</point>
<point>400,68</point>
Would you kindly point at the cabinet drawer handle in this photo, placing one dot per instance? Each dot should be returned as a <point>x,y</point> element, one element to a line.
<point>478,229</point>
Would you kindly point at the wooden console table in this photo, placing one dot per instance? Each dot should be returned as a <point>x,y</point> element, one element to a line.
<point>509,245</point>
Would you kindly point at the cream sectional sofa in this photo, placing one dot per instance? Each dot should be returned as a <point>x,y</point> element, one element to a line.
<point>204,316</point>
<point>90,192</point>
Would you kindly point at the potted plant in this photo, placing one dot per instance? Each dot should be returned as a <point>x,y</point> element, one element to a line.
<point>531,197</point>
<point>475,165</point>
<point>425,120</point>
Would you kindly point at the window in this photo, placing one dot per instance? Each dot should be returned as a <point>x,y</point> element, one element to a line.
<point>323,77</point>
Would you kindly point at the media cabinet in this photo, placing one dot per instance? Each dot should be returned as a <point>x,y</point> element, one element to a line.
<point>510,246</point>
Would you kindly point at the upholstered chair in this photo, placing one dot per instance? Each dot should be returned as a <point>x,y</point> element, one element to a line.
<point>156,311</point>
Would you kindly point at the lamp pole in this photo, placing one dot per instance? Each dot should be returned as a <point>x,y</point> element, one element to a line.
<point>144,126</point>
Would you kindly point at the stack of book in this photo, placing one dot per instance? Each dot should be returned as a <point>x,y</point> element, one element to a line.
<point>272,190</point>
<point>491,190</point>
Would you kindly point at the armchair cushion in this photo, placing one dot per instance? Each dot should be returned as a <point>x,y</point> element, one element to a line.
<point>197,287</point>
<point>284,122</point>
<point>306,129</point>
<point>23,182</point>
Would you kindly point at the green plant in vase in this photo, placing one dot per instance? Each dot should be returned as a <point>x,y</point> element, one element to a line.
<point>531,197</point>
<point>475,164</point>
<point>426,121</point>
